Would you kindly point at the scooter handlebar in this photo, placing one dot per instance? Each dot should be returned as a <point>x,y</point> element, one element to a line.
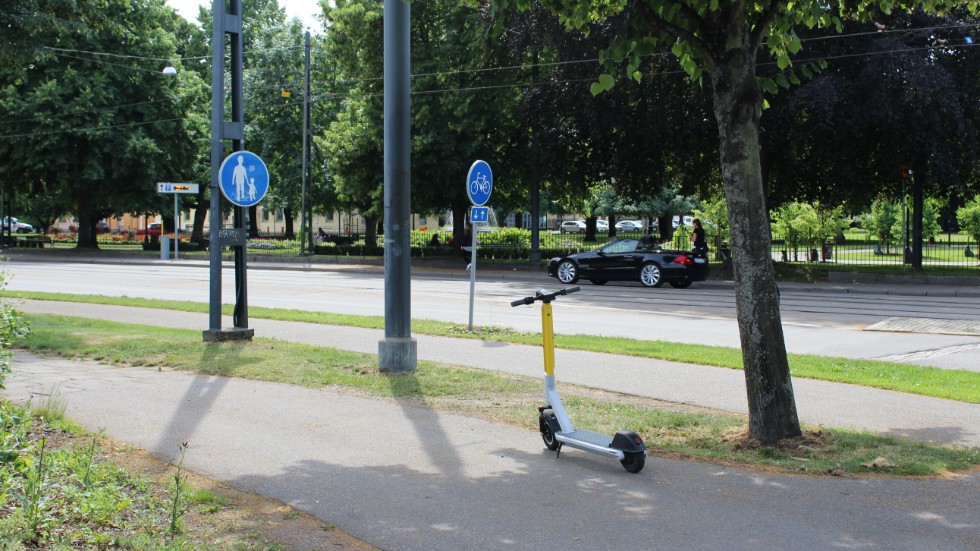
<point>545,296</point>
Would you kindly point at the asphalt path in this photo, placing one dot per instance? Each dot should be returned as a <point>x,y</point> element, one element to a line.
<point>404,477</point>
<point>817,319</point>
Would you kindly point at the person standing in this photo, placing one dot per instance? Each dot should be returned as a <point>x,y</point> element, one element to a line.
<point>698,239</point>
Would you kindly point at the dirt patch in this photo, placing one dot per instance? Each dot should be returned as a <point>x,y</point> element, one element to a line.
<point>811,441</point>
<point>236,516</point>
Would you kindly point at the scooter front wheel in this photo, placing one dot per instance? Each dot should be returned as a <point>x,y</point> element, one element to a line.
<point>634,461</point>
<point>547,434</point>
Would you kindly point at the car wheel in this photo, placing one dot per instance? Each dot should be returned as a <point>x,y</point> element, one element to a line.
<point>650,275</point>
<point>21,230</point>
<point>598,281</point>
<point>682,284</point>
<point>567,272</point>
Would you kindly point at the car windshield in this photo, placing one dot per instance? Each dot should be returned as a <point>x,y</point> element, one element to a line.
<point>624,246</point>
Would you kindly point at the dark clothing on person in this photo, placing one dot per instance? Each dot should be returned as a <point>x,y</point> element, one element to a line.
<point>700,242</point>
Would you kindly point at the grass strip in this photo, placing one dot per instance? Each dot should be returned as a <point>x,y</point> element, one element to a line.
<point>499,397</point>
<point>951,384</point>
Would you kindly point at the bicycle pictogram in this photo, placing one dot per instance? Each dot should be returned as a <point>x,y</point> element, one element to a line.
<point>480,185</point>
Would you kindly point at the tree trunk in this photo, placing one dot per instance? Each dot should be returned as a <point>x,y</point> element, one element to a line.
<point>287,214</point>
<point>87,236</point>
<point>200,213</point>
<point>371,230</point>
<point>459,222</point>
<point>738,106</point>
<point>918,205</point>
<point>253,222</point>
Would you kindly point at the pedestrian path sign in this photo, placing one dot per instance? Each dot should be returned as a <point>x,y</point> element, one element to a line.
<point>243,178</point>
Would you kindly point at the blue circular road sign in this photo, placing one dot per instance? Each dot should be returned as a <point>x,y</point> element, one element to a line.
<point>243,178</point>
<point>479,183</point>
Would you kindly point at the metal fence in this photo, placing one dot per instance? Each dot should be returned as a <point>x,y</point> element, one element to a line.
<point>855,247</point>
<point>858,247</point>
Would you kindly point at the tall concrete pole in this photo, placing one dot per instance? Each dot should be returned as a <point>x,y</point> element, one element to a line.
<point>398,351</point>
<point>306,149</point>
<point>226,23</point>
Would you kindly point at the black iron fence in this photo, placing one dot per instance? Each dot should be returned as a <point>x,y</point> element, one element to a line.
<point>854,247</point>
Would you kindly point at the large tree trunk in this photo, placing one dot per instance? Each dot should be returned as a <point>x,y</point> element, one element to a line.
<point>200,213</point>
<point>87,219</point>
<point>371,230</point>
<point>738,106</point>
<point>287,214</point>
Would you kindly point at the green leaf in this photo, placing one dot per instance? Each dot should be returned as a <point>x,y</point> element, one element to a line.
<point>638,76</point>
<point>677,49</point>
<point>782,81</point>
<point>783,61</point>
<point>606,82</point>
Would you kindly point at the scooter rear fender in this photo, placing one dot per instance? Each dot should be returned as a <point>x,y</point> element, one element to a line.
<point>628,441</point>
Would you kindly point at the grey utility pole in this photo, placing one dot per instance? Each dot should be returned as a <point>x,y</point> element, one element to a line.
<point>226,23</point>
<point>398,351</point>
<point>306,154</point>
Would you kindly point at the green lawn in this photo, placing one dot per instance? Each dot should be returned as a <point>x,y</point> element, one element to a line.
<point>960,385</point>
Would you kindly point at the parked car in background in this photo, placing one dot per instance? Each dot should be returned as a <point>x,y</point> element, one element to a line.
<point>602,225</point>
<point>629,225</point>
<point>688,221</point>
<point>572,226</point>
<point>16,226</point>
<point>102,227</point>
<point>151,229</point>
<point>631,260</point>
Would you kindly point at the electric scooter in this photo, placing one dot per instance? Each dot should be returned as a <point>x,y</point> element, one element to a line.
<point>556,428</point>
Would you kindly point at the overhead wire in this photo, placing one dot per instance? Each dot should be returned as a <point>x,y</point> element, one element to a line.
<point>335,95</point>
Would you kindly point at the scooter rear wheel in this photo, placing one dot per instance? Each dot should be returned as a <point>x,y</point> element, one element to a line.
<point>634,461</point>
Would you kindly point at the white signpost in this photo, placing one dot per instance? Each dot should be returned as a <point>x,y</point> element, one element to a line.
<point>479,186</point>
<point>175,189</point>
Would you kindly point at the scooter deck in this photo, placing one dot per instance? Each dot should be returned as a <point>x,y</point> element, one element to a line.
<point>589,437</point>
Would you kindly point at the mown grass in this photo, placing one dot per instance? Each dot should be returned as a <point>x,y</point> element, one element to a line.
<point>952,384</point>
<point>503,398</point>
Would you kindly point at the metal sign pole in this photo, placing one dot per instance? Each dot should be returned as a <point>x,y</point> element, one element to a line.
<point>472,273</point>
<point>176,229</point>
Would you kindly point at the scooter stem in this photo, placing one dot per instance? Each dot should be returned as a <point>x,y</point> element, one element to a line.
<point>548,339</point>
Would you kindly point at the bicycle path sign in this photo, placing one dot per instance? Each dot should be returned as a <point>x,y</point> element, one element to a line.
<point>243,178</point>
<point>479,183</point>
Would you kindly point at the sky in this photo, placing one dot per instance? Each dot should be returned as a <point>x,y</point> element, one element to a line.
<point>306,10</point>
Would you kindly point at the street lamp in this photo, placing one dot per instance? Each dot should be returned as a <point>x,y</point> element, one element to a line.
<point>169,69</point>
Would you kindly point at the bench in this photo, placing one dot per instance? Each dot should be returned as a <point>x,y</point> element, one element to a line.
<point>35,241</point>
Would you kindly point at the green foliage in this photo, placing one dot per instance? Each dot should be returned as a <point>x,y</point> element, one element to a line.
<point>107,129</point>
<point>714,220</point>
<point>682,238</point>
<point>12,329</point>
<point>884,215</point>
<point>808,224</point>
<point>968,217</point>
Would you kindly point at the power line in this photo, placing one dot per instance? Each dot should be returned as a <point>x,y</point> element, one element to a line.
<point>335,96</point>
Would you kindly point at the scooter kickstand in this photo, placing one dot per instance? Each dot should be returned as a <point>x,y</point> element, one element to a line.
<point>558,451</point>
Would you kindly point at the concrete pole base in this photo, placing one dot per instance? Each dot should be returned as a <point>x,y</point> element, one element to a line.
<point>398,355</point>
<point>233,334</point>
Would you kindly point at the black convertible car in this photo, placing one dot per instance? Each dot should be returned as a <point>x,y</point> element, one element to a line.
<point>631,260</point>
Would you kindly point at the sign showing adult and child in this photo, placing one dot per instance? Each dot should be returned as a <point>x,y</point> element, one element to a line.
<point>243,178</point>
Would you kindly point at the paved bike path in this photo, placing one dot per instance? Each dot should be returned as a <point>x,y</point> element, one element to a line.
<point>403,477</point>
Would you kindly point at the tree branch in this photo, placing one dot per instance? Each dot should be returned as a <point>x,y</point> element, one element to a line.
<point>690,16</point>
<point>762,26</point>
